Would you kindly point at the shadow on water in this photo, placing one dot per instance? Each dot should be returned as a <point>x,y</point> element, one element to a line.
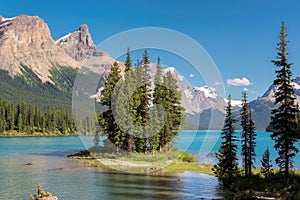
<point>60,153</point>
<point>120,185</point>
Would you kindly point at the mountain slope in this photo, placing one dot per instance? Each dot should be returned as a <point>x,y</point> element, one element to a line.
<point>26,41</point>
<point>29,88</point>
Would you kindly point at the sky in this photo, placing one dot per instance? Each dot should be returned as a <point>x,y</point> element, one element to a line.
<point>240,36</point>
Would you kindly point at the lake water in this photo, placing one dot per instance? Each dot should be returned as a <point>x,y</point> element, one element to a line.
<point>68,179</point>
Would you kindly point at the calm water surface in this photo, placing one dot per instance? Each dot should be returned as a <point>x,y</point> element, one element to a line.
<point>68,179</point>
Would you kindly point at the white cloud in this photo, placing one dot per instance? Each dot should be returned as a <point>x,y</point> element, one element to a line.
<point>192,75</point>
<point>239,82</point>
<point>245,89</point>
<point>217,83</point>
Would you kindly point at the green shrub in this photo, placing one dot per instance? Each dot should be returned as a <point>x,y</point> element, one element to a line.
<point>185,157</point>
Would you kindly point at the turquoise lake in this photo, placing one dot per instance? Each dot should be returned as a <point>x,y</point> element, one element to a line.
<point>68,179</point>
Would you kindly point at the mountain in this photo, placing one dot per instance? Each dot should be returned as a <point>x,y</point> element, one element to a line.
<point>198,99</point>
<point>80,46</point>
<point>26,41</point>
<point>37,69</point>
<point>262,106</point>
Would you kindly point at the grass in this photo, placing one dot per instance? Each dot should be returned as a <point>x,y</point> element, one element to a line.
<point>91,162</point>
<point>179,167</point>
<point>161,163</point>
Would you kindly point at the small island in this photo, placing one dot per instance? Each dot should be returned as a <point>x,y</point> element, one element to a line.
<point>165,163</point>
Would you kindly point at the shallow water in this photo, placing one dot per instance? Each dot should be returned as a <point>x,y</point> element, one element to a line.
<point>68,179</point>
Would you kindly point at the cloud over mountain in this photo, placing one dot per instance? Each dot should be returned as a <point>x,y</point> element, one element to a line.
<point>239,82</point>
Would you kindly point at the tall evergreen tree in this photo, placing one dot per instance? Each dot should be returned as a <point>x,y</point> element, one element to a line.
<point>227,166</point>
<point>252,142</point>
<point>266,164</point>
<point>106,119</point>
<point>245,132</point>
<point>284,116</point>
<point>128,62</point>
<point>248,136</point>
<point>158,99</point>
<point>145,97</point>
<point>174,111</point>
<point>128,88</point>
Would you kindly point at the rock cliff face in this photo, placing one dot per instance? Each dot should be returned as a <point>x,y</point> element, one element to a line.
<point>80,46</point>
<point>26,40</point>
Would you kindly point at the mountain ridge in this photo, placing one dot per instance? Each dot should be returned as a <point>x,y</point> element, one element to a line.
<point>32,57</point>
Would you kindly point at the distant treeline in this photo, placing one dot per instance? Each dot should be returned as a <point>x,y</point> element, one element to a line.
<point>26,118</point>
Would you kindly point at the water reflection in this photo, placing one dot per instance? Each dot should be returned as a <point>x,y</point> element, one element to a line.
<point>68,179</point>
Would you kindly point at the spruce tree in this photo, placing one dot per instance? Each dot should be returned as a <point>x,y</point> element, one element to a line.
<point>245,132</point>
<point>284,116</point>
<point>145,97</point>
<point>128,88</point>
<point>252,143</point>
<point>227,166</point>
<point>128,62</point>
<point>158,99</point>
<point>248,136</point>
<point>106,119</point>
<point>174,111</point>
<point>266,164</point>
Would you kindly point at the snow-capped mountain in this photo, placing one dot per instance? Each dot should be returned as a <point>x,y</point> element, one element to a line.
<point>269,94</point>
<point>198,99</point>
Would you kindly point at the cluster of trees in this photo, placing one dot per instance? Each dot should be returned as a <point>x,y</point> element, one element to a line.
<point>24,117</point>
<point>284,121</point>
<point>227,156</point>
<point>142,115</point>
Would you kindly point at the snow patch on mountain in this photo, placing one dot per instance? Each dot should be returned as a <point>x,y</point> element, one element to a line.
<point>209,92</point>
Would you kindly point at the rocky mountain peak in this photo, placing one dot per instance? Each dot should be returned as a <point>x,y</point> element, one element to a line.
<point>26,40</point>
<point>80,46</point>
<point>84,36</point>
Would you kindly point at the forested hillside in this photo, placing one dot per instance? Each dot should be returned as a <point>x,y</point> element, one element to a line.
<point>29,88</point>
<point>27,118</point>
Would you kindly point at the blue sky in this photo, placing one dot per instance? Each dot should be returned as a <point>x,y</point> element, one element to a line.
<point>240,36</point>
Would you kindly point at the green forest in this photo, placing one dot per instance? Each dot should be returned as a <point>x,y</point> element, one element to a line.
<point>29,119</point>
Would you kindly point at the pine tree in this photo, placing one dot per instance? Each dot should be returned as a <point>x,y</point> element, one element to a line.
<point>128,62</point>
<point>252,143</point>
<point>174,111</point>
<point>128,88</point>
<point>245,132</point>
<point>106,119</point>
<point>284,116</point>
<point>158,99</point>
<point>227,166</point>
<point>145,97</point>
<point>266,164</point>
<point>248,136</point>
